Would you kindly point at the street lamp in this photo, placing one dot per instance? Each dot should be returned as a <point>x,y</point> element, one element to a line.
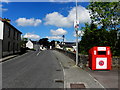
<point>63,38</point>
<point>63,41</point>
<point>76,26</point>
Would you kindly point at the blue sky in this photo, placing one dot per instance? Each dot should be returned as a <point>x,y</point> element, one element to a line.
<point>45,19</point>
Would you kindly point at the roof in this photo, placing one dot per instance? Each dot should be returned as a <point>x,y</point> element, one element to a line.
<point>68,44</point>
<point>12,26</point>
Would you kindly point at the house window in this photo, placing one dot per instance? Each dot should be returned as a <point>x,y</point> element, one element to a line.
<point>9,30</point>
<point>8,46</point>
<point>17,36</point>
<point>13,34</point>
<point>13,47</point>
<point>17,46</point>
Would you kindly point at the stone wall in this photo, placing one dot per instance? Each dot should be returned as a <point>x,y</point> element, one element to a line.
<point>83,59</point>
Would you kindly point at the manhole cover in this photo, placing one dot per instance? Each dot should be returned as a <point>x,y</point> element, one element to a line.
<point>58,70</point>
<point>77,86</point>
<point>59,81</point>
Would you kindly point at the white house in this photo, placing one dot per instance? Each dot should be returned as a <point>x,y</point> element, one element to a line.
<point>29,44</point>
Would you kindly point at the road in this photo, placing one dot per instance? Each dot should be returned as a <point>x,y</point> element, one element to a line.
<point>37,69</point>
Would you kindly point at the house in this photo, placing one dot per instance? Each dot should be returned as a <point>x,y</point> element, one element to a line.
<point>10,38</point>
<point>57,45</point>
<point>69,46</point>
<point>29,44</point>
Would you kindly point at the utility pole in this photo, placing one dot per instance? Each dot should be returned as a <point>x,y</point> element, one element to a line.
<point>63,38</point>
<point>63,41</point>
<point>76,29</point>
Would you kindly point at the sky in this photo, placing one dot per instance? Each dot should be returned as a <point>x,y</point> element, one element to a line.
<point>50,20</point>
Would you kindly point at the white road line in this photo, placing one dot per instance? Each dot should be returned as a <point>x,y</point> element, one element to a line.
<point>63,72</point>
<point>38,53</point>
<point>97,82</point>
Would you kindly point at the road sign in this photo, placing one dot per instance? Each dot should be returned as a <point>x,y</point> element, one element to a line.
<point>76,24</point>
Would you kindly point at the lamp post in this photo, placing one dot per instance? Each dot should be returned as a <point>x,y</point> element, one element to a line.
<point>63,41</point>
<point>76,24</point>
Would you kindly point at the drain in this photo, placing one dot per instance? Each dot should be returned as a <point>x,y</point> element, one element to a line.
<point>78,86</point>
<point>58,70</point>
<point>66,67</point>
<point>59,81</point>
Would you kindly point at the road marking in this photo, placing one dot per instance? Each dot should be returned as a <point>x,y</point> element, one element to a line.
<point>97,82</point>
<point>38,53</point>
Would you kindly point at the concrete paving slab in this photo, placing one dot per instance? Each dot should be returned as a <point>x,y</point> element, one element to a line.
<point>74,74</point>
<point>109,79</point>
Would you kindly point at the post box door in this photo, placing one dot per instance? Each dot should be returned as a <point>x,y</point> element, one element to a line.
<point>101,63</point>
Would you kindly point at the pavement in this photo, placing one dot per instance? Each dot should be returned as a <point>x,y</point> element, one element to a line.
<point>109,78</point>
<point>74,74</point>
<point>7,58</point>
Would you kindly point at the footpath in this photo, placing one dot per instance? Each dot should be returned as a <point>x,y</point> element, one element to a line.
<point>7,58</point>
<point>75,77</point>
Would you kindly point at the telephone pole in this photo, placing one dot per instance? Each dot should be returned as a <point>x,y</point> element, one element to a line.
<point>76,29</point>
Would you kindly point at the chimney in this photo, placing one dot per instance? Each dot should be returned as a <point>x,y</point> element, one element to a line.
<point>5,19</point>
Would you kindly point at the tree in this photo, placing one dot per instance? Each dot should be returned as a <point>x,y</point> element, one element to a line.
<point>23,42</point>
<point>44,42</point>
<point>105,14</point>
<point>52,43</point>
<point>88,39</point>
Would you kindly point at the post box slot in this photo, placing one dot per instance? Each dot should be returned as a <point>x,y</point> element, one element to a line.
<point>101,52</point>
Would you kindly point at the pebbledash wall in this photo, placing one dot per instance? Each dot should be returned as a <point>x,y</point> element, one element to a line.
<point>10,41</point>
<point>0,48</point>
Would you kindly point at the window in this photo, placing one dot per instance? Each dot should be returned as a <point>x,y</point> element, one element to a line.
<point>9,30</point>
<point>8,46</point>
<point>101,52</point>
<point>17,46</point>
<point>17,36</point>
<point>13,34</point>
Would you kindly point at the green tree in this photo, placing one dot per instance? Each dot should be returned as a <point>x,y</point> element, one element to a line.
<point>104,27</point>
<point>44,42</point>
<point>105,14</point>
<point>23,42</point>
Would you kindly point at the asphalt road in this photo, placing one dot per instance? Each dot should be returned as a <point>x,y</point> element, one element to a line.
<point>37,69</point>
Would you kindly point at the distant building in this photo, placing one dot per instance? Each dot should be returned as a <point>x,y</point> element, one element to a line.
<point>10,38</point>
<point>69,46</point>
<point>29,44</point>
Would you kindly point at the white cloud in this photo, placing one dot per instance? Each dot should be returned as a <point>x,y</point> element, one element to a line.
<point>59,31</point>
<point>6,1</point>
<point>59,20</point>
<point>28,22</point>
<point>80,33</point>
<point>31,36</point>
<point>2,9</point>
<point>54,37</point>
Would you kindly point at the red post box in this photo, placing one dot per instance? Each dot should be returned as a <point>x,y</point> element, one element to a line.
<point>100,58</point>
